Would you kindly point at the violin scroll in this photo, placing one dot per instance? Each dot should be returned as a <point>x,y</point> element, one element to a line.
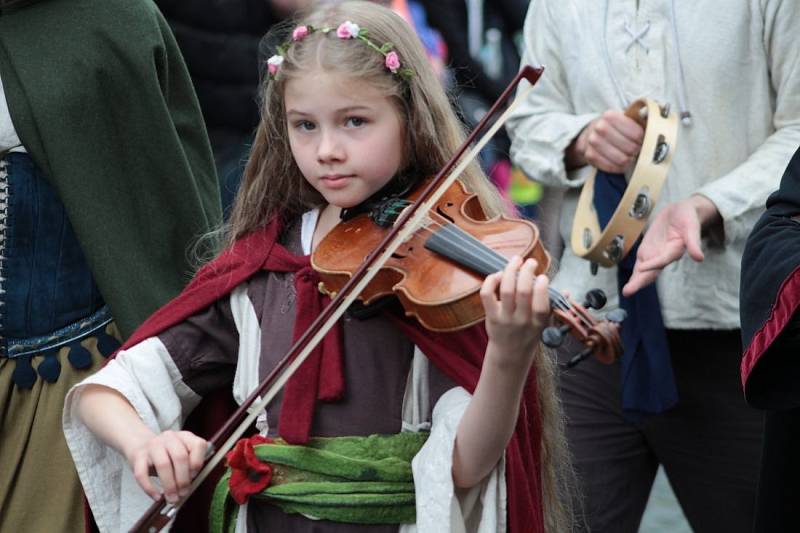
<point>600,337</point>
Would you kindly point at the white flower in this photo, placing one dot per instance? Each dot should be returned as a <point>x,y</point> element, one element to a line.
<point>347,30</point>
<point>273,64</point>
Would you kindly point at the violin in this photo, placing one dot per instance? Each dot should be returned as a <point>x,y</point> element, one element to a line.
<point>437,272</point>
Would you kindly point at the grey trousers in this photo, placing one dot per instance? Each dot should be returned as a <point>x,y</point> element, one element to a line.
<point>709,444</point>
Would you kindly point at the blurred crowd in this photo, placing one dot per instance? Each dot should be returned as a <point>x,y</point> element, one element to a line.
<point>474,46</point>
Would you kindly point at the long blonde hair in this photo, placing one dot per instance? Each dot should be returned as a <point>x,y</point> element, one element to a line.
<point>273,185</point>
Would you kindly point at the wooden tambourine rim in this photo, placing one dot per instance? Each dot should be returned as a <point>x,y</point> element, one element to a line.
<point>647,178</point>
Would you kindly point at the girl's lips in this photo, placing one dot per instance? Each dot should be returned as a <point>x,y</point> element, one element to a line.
<point>335,181</point>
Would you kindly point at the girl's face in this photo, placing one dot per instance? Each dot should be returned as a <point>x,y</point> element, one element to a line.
<point>346,136</point>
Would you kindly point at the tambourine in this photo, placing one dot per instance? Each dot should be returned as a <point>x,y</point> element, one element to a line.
<point>609,246</point>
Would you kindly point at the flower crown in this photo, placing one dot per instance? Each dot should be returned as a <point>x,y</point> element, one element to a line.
<point>346,30</point>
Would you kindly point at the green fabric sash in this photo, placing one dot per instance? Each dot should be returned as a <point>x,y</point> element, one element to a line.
<point>361,480</point>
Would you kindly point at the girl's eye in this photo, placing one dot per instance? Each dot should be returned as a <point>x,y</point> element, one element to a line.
<point>304,125</point>
<point>355,122</point>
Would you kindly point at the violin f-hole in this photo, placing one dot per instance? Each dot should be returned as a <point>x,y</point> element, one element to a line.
<point>441,212</point>
<point>402,254</point>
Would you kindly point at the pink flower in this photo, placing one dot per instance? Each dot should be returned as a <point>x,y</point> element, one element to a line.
<point>347,30</point>
<point>299,32</point>
<point>274,64</point>
<point>392,62</point>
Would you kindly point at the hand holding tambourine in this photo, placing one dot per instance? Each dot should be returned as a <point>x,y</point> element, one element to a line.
<point>611,142</point>
<point>606,244</point>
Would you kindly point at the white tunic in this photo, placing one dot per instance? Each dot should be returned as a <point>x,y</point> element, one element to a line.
<point>742,85</point>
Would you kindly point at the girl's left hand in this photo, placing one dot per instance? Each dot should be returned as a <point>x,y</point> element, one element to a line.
<point>515,320</point>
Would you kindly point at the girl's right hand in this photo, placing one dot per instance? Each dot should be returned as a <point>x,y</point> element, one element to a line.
<point>176,457</point>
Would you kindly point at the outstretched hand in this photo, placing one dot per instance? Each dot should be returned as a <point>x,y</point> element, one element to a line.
<point>674,231</point>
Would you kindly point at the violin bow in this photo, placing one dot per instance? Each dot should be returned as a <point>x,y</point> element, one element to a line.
<point>161,513</point>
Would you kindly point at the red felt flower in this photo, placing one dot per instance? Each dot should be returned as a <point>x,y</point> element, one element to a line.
<point>248,474</point>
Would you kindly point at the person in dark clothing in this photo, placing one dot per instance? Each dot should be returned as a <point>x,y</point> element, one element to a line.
<point>770,296</point>
<point>106,179</point>
<point>220,40</point>
<point>484,57</point>
<point>480,41</point>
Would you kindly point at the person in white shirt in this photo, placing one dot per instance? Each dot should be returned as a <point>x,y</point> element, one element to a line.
<point>731,71</point>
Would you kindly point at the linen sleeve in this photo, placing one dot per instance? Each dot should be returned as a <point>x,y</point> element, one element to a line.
<point>545,124</point>
<point>740,194</point>
<point>148,378</point>
<point>163,378</point>
<point>441,507</point>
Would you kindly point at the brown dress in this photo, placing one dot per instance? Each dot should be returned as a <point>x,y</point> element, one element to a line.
<point>377,359</point>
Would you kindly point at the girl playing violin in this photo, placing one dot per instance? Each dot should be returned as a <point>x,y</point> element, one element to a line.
<point>351,111</point>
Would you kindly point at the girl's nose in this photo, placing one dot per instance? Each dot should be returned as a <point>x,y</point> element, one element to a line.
<point>330,148</point>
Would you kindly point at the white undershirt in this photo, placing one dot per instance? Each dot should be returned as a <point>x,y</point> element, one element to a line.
<point>308,225</point>
<point>8,135</point>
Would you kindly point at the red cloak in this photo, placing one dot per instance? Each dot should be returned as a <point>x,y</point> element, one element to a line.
<point>458,354</point>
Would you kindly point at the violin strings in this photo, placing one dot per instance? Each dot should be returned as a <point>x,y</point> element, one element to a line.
<point>467,243</point>
<point>470,244</point>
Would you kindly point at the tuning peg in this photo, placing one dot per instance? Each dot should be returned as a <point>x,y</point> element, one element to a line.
<point>595,299</point>
<point>617,315</point>
<point>577,359</point>
<point>553,336</point>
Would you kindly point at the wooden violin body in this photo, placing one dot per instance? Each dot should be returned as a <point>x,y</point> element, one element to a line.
<point>438,270</point>
<point>424,273</point>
